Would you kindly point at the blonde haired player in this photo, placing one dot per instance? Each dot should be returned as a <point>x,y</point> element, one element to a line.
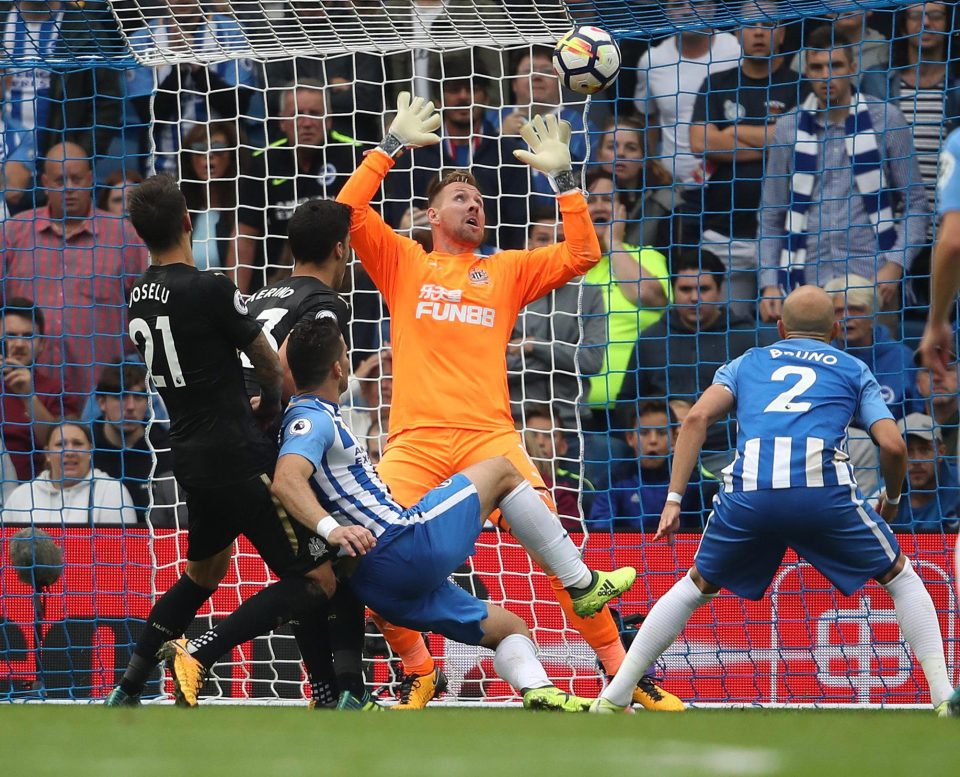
<point>452,315</point>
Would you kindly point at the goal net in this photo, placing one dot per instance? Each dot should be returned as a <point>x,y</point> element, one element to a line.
<point>256,107</point>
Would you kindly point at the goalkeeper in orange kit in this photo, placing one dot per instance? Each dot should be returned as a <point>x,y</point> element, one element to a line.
<point>452,315</point>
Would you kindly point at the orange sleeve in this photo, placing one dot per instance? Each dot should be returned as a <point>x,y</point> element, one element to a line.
<point>544,269</point>
<point>376,244</point>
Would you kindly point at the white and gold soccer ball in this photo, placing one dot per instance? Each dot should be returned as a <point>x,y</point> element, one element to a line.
<point>587,59</point>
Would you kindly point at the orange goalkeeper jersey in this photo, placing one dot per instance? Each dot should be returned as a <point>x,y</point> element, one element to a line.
<point>451,316</point>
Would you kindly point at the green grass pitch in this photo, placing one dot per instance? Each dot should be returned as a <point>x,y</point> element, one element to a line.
<point>75,741</point>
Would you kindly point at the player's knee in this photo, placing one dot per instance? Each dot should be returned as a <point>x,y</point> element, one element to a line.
<point>500,624</point>
<point>210,571</point>
<point>509,475</point>
<point>701,583</point>
<point>898,566</point>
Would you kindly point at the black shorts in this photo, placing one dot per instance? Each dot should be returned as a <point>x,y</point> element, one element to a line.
<point>219,515</point>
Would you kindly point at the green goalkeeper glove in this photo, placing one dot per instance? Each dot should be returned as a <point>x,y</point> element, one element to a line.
<point>414,125</point>
<point>549,141</point>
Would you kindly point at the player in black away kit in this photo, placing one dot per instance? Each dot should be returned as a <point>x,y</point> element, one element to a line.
<point>189,326</point>
<point>318,235</point>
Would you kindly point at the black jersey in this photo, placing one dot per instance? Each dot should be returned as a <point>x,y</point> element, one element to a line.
<point>272,186</point>
<point>188,326</point>
<point>280,306</point>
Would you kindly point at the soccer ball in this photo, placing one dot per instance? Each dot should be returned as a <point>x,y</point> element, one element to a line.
<point>587,59</point>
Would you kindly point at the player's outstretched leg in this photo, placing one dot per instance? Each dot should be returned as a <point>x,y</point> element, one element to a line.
<point>515,660</point>
<point>499,484</point>
<point>293,597</point>
<point>169,617</point>
<point>917,617</point>
<point>658,632</point>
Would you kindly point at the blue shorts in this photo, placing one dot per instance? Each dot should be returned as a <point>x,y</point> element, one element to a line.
<point>406,577</point>
<point>832,528</point>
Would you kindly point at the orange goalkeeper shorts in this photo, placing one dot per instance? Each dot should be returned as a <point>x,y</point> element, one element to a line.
<point>419,459</point>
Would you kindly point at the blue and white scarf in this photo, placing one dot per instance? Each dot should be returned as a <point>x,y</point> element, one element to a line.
<point>864,153</point>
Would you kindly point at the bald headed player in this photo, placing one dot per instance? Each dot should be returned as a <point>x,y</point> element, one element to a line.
<point>791,486</point>
<point>452,316</point>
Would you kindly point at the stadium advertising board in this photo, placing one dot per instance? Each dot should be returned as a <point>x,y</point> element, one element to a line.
<point>803,644</point>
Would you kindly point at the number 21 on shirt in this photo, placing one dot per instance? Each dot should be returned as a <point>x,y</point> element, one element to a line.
<point>140,327</point>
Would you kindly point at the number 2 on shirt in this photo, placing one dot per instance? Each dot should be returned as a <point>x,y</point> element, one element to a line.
<point>783,403</point>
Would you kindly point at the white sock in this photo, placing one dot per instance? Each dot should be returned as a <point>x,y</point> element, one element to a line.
<point>540,532</point>
<point>659,630</point>
<point>918,622</point>
<point>515,660</point>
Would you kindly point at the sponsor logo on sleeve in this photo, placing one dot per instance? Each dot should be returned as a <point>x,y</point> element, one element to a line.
<point>239,303</point>
<point>300,427</point>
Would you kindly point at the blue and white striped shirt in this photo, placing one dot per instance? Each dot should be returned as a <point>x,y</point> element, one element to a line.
<point>344,480</point>
<point>795,399</point>
<point>221,34</point>
<point>25,104</point>
<point>840,237</point>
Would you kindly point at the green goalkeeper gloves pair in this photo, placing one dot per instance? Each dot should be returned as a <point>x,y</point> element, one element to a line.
<point>417,121</point>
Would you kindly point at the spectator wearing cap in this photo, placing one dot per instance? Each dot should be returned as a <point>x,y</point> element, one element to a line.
<point>940,391</point>
<point>931,499</point>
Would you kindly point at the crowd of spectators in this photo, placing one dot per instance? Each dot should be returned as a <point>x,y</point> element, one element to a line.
<point>728,165</point>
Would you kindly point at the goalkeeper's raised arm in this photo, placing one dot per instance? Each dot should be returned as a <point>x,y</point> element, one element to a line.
<point>455,208</point>
<point>550,267</point>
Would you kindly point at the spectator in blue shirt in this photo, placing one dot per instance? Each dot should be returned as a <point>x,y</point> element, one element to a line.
<point>636,501</point>
<point>933,491</point>
<point>855,305</point>
<point>855,302</point>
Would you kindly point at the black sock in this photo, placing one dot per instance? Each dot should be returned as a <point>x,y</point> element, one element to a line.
<point>310,631</point>
<point>168,619</point>
<point>346,627</point>
<point>273,606</point>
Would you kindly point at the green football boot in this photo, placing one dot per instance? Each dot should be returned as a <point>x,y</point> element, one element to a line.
<point>951,707</point>
<point>552,698</point>
<point>588,601</point>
